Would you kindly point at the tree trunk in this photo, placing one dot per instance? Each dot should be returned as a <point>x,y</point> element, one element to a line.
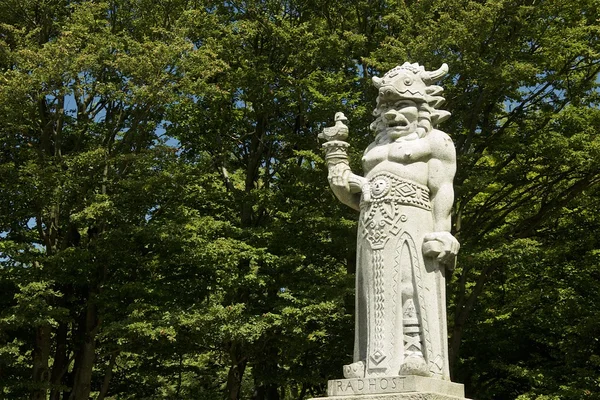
<point>61,361</point>
<point>108,376</point>
<point>266,392</point>
<point>84,359</point>
<point>236,373</point>
<point>464,307</point>
<point>41,355</point>
<point>266,376</point>
<point>255,155</point>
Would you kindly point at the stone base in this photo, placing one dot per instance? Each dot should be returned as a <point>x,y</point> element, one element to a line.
<point>394,396</point>
<point>394,388</point>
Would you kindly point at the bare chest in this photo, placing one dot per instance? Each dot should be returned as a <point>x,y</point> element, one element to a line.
<point>400,152</point>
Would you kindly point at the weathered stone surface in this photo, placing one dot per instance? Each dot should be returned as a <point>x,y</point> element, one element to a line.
<point>393,384</point>
<point>395,396</point>
<point>404,245</point>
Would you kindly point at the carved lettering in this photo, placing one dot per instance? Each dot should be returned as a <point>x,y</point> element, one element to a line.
<point>372,383</point>
<point>386,385</point>
<point>383,383</point>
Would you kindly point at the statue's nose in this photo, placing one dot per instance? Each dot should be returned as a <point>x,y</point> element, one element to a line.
<point>390,115</point>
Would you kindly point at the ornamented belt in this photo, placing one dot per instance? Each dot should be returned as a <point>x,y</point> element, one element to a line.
<point>389,188</point>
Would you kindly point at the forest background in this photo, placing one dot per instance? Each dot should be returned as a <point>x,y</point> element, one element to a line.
<point>166,229</point>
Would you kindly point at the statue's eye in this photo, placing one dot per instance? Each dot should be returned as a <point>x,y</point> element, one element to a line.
<point>408,81</point>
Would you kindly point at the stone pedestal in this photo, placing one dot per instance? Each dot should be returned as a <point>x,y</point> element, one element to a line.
<point>396,396</point>
<point>393,388</point>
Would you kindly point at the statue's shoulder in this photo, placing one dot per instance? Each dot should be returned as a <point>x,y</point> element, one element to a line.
<point>441,145</point>
<point>437,136</point>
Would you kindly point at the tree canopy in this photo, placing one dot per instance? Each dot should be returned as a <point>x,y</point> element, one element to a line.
<point>166,229</point>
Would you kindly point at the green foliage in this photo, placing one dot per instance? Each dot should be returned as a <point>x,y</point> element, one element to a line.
<point>165,226</point>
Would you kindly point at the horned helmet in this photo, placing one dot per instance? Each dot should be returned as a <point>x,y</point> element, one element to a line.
<point>411,82</point>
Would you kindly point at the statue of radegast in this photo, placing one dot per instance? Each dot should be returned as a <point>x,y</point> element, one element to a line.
<point>404,244</point>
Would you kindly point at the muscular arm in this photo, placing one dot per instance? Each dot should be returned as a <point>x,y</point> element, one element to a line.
<point>442,197</point>
<point>442,168</point>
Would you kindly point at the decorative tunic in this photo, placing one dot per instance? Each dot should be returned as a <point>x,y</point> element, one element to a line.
<point>400,296</point>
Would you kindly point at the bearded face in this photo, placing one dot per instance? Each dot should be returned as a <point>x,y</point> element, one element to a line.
<point>400,118</point>
<point>408,102</point>
<point>396,119</point>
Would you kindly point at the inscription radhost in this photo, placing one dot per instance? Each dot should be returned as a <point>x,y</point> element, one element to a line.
<point>368,385</point>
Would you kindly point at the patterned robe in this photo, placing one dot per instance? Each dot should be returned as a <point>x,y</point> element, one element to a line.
<point>400,295</point>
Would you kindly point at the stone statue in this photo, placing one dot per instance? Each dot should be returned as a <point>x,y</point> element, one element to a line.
<point>404,243</point>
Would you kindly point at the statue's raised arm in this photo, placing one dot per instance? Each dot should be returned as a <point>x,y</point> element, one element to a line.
<point>345,185</point>
<point>404,241</point>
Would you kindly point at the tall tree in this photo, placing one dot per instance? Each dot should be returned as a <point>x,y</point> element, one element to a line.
<point>89,184</point>
<point>288,70</point>
<point>524,98</point>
